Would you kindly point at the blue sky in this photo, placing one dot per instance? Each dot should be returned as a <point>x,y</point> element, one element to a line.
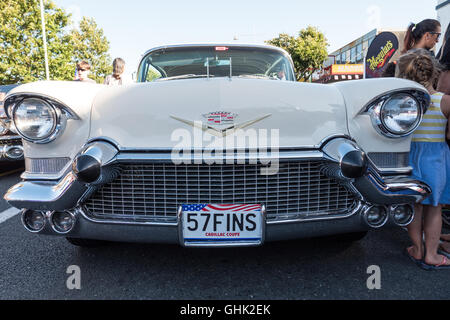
<point>134,26</point>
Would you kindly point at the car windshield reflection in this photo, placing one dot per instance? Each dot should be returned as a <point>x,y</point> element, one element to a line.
<point>212,61</point>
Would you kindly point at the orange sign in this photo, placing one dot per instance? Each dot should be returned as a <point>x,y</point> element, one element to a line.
<point>347,69</point>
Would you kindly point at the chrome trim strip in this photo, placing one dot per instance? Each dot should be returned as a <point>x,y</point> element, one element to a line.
<point>395,171</point>
<point>169,150</point>
<point>10,138</point>
<point>396,186</point>
<point>84,212</point>
<point>358,208</point>
<point>167,157</point>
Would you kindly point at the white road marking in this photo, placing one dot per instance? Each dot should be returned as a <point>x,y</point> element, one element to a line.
<point>7,214</point>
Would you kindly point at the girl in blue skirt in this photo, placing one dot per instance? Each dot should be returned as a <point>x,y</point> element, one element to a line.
<point>430,160</point>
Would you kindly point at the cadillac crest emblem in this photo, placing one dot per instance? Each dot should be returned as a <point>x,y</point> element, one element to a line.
<point>220,118</point>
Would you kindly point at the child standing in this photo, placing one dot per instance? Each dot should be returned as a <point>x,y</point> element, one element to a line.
<point>430,159</point>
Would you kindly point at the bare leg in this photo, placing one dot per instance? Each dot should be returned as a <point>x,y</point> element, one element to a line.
<point>445,237</point>
<point>416,234</point>
<point>432,227</point>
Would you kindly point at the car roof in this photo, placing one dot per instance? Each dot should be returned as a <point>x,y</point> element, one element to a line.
<point>235,45</point>
<point>7,88</point>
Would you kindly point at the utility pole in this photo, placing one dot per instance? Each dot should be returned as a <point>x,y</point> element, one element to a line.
<point>44,37</point>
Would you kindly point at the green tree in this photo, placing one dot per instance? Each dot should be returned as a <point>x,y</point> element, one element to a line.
<point>90,44</point>
<point>22,48</point>
<point>21,42</point>
<point>308,50</point>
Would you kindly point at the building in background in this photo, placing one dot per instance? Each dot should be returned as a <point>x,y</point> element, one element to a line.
<point>443,15</point>
<point>347,63</point>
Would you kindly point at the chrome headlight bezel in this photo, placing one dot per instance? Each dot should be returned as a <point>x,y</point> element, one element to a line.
<point>60,111</point>
<point>376,107</point>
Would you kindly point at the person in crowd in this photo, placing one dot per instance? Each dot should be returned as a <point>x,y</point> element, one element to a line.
<point>389,71</point>
<point>117,78</point>
<point>444,86</point>
<point>83,70</point>
<point>423,35</point>
<point>430,160</point>
<point>444,59</point>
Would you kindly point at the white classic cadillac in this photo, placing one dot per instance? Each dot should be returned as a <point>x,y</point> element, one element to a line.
<point>216,145</point>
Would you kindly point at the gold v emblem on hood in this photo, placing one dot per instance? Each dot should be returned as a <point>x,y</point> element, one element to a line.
<point>223,131</point>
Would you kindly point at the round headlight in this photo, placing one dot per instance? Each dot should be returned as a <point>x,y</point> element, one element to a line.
<point>400,114</point>
<point>35,119</point>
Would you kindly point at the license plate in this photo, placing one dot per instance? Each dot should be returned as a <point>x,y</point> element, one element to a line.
<point>222,225</point>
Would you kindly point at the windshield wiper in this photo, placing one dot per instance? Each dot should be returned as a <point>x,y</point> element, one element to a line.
<point>256,76</point>
<point>185,76</point>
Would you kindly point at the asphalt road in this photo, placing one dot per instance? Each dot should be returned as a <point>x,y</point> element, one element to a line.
<point>34,267</point>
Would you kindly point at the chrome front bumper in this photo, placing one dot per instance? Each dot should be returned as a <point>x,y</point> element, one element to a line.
<point>85,228</point>
<point>70,194</point>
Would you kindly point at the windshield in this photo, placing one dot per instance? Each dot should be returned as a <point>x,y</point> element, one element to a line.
<point>195,62</point>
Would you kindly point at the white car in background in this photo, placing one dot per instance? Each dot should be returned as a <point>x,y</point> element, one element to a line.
<point>216,145</point>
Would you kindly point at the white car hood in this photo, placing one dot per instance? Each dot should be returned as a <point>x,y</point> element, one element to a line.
<point>145,116</point>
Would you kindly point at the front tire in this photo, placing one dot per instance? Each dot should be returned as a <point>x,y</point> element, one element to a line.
<point>352,237</point>
<point>86,243</point>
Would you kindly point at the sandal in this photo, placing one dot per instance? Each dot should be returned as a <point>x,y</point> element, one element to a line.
<point>441,266</point>
<point>417,262</point>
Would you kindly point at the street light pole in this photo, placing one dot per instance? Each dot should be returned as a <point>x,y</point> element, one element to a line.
<point>44,37</point>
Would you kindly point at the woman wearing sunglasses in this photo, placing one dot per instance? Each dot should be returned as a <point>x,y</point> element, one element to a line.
<point>423,35</point>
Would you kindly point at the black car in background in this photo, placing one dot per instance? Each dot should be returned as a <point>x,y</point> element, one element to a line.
<point>11,149</point>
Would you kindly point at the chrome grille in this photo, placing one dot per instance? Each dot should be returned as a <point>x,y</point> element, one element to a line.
<point>10,141</point>
<point>45,166</point>
<point>390,159</point>
<point>154,191</point>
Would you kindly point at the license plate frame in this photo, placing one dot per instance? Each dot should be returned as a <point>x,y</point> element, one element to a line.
<point>222,237</point>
